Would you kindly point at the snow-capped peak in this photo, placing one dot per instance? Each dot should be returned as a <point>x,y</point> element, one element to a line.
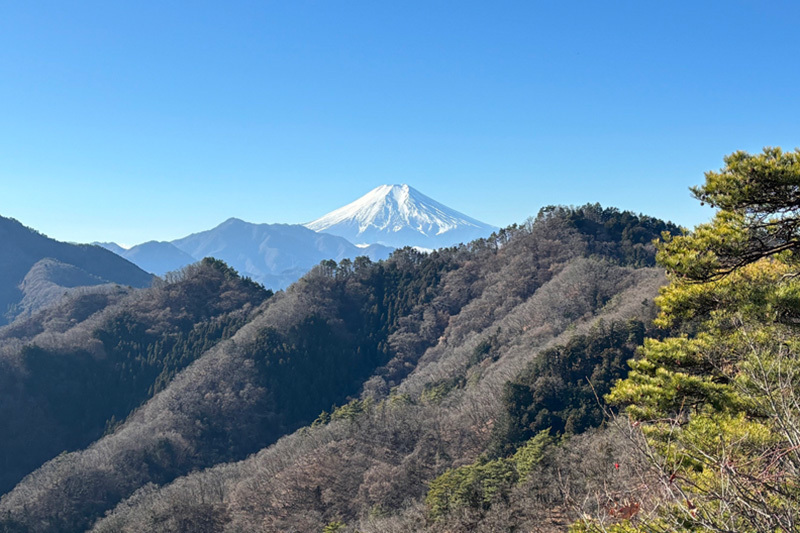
<point>399,215</point>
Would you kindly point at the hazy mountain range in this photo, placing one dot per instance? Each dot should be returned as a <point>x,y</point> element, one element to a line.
<point>157,257</point>
<point>388,217</point>
<point>275,255</point>
<point>272,254</point>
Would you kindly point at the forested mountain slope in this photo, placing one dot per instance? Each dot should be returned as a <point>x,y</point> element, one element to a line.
<point>418,350</point>
<point>72,370</point>
<point>26,284</point>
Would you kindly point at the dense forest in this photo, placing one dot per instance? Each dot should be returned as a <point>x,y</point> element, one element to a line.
<point>547,378</point>
<point>75,371</point>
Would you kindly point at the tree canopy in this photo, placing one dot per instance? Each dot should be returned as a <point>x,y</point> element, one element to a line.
<point>758,201</point>
<point>718,401</point>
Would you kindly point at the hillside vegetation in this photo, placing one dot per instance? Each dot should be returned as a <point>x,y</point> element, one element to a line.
<point>718,400</point>
<point>73,371</point>
<point>354,390</point>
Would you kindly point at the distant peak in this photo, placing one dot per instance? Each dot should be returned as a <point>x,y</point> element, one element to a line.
<point>401,193</point>
<point>233,221</point>
<point>397,214</point>
<point>393,187</point>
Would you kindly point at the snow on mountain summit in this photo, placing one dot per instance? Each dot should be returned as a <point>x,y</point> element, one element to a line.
<point>399,215</point>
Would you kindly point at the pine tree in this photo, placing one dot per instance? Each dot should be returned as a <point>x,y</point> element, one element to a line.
<point>719,402</point>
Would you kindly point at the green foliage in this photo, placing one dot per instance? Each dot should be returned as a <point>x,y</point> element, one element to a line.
<point>435,392</point>
<point>351,410</point>
<point>399,400</point>
<point>530,454</point>
<point>475,485</point>
<point>479,484</point>
<point>334,527</point>
<point>614,234</point>
<point>323,419</point>
<point>561,389</point>
<point>759,216</point>
<point>588,526</point>
<point>718,402</point>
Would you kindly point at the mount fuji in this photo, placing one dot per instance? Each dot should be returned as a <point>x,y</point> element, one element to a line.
<point>399,215</point>
<point>388,217</point>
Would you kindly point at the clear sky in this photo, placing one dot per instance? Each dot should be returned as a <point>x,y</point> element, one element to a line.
<point>131,121</point>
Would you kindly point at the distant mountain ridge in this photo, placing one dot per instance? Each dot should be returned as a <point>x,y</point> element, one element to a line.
<point>35,269</point>
<point>399,215</point>
<point>275,255</point>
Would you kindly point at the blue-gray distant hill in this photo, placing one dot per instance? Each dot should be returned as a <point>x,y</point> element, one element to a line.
<point>36,270</point>
<point>275,255</point>
<point>156,257</point>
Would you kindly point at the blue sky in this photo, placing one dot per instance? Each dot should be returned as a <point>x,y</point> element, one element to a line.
<point>131,121</point>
